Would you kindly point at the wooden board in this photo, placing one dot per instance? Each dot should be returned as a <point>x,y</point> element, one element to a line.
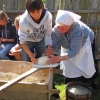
<point>27,90</point>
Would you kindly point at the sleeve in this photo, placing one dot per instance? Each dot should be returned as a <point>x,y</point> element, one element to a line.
<point>22,32</point>
<point>0,34</point>
<point>56,38</point>
<point>48,39</point>
<point>76,44</point>
<point>13,32</point>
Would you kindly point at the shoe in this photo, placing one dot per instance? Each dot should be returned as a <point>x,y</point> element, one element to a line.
<point>56,96</point>
<point>95,85</point>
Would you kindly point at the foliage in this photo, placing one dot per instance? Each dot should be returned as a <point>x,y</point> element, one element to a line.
<point>43,1</point>
<point>62,87</point>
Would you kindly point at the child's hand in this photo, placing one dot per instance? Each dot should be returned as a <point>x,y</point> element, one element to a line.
<point>33,59</point>
<point>49,51</point>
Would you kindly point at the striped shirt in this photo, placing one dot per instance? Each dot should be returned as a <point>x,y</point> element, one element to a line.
<point>73,40</point>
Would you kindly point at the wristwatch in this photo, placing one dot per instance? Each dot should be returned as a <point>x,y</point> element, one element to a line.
<point>60,58</point>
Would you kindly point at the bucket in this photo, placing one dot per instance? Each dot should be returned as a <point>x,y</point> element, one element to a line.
<point>78,91</point>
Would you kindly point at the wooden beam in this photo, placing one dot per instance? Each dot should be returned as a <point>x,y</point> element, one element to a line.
<point>55,11</point>
<point>94,25</point>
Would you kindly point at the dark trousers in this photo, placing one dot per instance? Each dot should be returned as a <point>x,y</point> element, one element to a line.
<point>96,74</point>
<point>80,79</point>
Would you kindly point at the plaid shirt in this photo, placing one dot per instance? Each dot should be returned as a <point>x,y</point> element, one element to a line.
<point>73,40</point>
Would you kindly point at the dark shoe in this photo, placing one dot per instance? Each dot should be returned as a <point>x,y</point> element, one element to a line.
<point>55,96</point>
<point>95,85</point>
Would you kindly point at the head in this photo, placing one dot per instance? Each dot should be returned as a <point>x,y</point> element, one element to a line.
<point>63,28</point>
<point>65,20</point>
<point>35,8</point>
<point>3,18</point>
<point>16,22</point>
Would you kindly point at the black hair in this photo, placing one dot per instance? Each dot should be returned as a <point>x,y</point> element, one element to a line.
<point>32,5</point>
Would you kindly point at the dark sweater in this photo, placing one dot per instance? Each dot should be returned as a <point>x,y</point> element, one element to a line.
<point>9,32</point>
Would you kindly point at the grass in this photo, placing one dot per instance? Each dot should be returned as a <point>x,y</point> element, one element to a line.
<point>61,86</point>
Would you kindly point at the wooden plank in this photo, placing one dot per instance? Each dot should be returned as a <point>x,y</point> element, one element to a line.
<point>50,4</point>
<point>56,7</point>
<point>62,4</point>
<point>1,4</point>
<point>53,5</point>
<point>84,5</point>
<point>76,4</point>
<point>23,96</point>
<point>15,4</point>
<point>58,71</point>
<point>68,5</point>
<point>17,79</point>
<point>97,25</point>
<point>21,4</point>
<point>55,11</point>
<point>8,4</point>
<point>93,17</point>
<point>98,30</point>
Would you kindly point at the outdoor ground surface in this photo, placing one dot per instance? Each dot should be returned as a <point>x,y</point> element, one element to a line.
<point>61,86</point>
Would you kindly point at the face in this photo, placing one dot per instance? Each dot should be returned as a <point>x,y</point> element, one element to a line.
<point>36,14</point>
<point>64,29</point>
<point>3,22</point>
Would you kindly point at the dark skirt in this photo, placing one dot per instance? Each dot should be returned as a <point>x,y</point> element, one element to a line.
<point>80,79</point>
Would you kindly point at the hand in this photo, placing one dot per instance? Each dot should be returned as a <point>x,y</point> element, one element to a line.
<point>12,51</point>
<point>3,40</point>
<point>53,59</point>
<point>33,59</point>
<point>49,51</point>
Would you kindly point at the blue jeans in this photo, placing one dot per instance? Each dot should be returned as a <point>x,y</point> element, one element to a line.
<point>35,47</point>
<point>4,51</point>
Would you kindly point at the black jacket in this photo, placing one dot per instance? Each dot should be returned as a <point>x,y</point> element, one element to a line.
<point>9,32</point>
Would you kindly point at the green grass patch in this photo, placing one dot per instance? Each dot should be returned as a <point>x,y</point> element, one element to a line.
<point>62,87</point>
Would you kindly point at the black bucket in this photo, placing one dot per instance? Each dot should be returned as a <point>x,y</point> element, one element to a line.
<point>78,91</point>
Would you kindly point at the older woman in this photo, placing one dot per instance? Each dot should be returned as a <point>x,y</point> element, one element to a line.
<point>75,39</point>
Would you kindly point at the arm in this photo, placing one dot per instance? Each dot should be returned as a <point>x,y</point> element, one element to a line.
<point>17,47</point>
<point>56,38</point>
<point>27,50</point>
<point>48,39</point>
<point>23,34</point>
<point>75,46</point>
<point>13,33</point>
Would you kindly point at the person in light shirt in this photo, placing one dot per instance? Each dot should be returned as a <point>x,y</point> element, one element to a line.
<point>35,28</point>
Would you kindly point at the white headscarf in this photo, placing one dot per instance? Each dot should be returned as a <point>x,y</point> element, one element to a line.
<point>66,17</point>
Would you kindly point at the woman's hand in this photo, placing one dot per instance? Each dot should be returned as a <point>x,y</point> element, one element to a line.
<point>49,51</point>
<point>53,59</point>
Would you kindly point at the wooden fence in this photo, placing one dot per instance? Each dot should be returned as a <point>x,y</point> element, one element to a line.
<point>88,9</point>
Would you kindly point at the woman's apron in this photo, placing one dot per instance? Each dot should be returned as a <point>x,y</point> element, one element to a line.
<point>80,65</point>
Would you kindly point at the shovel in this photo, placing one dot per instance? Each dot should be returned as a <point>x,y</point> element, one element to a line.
<point>24,75</point>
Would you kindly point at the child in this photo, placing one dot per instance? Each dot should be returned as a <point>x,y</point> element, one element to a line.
<point>8,36</point>
<point>35,29</point>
